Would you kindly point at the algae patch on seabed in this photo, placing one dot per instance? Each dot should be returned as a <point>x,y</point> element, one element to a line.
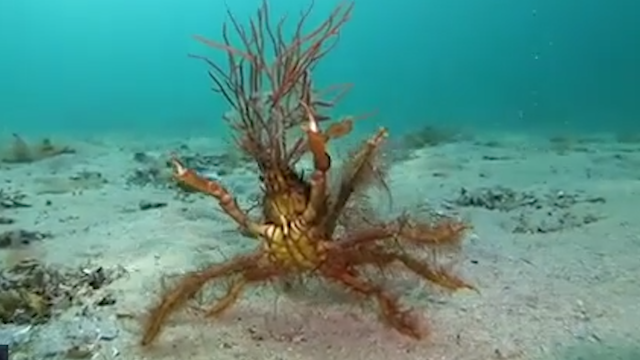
<point>20,152</point>
<point>33,294</point>
<point>31,291</point>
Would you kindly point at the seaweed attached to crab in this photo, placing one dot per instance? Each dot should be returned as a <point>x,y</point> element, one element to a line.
<point>308,227</point>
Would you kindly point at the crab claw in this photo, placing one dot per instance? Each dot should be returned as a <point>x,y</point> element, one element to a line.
<point>179,169</point>
<point>316,141</point>
<point>313,123</point>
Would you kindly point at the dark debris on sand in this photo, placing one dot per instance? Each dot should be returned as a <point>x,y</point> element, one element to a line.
<point>429,136</point>
<point>11,200</point>
<point>155,171</point>
<point>18,238</point>
<point>534,213</point>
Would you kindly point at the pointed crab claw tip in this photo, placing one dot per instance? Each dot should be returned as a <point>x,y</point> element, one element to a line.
<point>179,168</point>
<point>313,124</point>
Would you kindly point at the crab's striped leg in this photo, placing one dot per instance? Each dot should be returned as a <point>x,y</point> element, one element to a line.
<point>228,203</point>
<point>321,161</point>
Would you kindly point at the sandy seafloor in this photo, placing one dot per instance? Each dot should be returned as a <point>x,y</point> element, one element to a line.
<point>558,277</point>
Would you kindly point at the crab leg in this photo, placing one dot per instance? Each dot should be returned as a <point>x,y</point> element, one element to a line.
<point>356,169</point>
<point>258,271</point>
<point>402,321</point>
<point>187,288</point>
<point>227,202</point>
<point>321,161</point>
<point>230,298</point>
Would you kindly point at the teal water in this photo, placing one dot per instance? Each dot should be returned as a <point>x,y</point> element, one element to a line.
<point>76,66</point>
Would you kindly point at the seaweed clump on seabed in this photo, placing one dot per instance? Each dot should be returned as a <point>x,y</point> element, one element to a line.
<point>21,152</point>
<point>309,227</point>
<point>31,292</point>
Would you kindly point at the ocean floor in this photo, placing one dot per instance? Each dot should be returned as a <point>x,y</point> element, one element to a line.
<point>554,253</point>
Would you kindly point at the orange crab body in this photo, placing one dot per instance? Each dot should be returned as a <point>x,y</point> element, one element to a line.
<point>288,240</point>
<point>286,196</point>
<point>294,247</point>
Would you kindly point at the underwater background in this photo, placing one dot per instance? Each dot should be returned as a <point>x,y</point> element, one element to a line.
<point>538,181</point>
<point>71,66</point>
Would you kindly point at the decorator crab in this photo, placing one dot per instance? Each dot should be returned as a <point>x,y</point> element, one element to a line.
<point>308,227</point>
